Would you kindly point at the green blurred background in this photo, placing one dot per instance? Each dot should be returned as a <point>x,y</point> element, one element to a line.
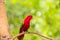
<point>46,17</point>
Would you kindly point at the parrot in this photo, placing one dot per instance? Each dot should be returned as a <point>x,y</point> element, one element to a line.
<point>25,26</point>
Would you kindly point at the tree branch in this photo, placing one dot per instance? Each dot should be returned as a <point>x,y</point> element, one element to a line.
<point>32,33</point>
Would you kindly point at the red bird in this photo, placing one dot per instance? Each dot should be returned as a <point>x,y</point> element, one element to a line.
<point>25,26</point>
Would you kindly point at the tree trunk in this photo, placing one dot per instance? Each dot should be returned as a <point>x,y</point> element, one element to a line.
<point>4,27</point>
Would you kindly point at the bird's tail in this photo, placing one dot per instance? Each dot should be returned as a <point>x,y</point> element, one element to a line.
<point>21,37</point>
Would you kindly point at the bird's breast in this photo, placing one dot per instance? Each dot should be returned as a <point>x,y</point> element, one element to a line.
<point>26,26</point>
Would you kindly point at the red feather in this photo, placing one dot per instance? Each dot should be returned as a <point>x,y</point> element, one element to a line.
<point>25,26</point>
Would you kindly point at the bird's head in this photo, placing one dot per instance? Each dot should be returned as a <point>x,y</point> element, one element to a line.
<point>27,19</point>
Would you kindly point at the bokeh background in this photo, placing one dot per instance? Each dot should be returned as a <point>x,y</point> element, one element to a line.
<point>46,17</point>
